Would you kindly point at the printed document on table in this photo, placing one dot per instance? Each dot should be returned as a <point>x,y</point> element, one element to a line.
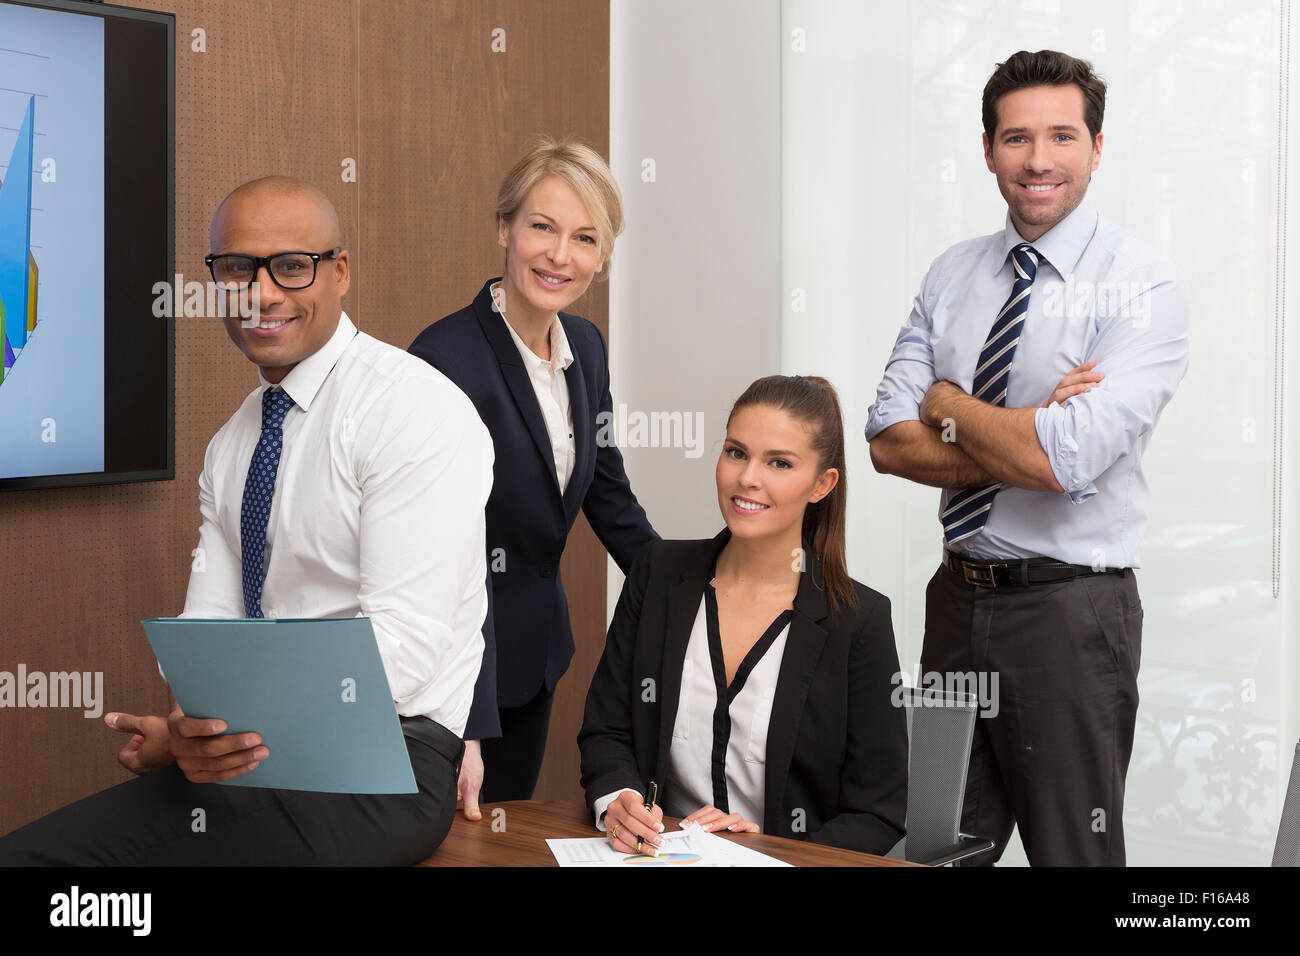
<point>691,847</point>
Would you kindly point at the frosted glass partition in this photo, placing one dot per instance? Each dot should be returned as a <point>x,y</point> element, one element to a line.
<point>882,169</point>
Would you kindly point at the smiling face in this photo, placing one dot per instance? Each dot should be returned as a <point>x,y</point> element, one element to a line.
<point>768,473</point>
<point>552,252</point>
<point>294,323</point>
<point>1042,155</point>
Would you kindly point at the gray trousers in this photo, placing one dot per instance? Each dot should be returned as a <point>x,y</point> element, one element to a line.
<point>1054,758</point>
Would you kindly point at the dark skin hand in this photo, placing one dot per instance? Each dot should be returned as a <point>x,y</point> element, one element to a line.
<point>150,745</point>
<point>200,746</point>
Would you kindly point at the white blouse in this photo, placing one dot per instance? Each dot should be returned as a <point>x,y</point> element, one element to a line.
<point>718,753</point>
<point>551,385</point>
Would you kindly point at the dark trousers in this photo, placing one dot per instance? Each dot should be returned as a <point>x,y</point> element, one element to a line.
<point>155,820</point>
<point>1054,758</point>
<point>513,761</point>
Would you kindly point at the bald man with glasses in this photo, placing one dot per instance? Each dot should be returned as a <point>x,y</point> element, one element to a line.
<point>320,497</point>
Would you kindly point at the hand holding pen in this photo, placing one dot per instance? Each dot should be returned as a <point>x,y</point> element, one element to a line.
<point>634,824</point>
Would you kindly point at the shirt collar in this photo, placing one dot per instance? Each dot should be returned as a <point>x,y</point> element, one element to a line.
<point>561,354</point>
<point>1062,245</point>
<point>305,379</point>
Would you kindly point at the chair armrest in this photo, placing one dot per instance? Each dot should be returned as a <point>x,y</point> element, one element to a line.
<point>965,847</point>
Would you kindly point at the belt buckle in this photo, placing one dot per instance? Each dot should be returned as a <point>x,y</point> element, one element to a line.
<point>978,575</point>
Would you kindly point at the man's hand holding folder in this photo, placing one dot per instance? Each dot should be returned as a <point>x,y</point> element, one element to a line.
<point>199,746</point>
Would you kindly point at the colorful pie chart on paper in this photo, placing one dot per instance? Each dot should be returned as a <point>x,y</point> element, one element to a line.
<point>663,859</point>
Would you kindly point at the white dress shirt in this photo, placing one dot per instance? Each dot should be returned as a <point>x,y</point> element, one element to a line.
<point>691,757</point>
<point>552,388</point>
<point>377,511</point>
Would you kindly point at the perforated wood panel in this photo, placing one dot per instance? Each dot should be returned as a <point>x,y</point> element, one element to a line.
<point>413,92</point>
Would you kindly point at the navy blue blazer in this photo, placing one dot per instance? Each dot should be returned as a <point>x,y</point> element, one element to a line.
<point>528,520</point>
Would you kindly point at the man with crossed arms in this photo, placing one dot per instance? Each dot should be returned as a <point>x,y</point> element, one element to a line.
<point>1044,502</point>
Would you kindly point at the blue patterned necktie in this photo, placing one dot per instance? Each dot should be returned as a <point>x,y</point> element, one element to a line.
<point>968,508</point>
<point>257,496</point>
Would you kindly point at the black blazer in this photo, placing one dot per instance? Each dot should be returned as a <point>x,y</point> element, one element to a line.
<point>836,746</point>
<point>528,520</point>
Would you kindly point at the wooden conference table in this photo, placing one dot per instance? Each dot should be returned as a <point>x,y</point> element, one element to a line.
<point>524,826</point>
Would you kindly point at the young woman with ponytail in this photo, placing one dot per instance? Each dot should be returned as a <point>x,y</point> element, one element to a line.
<point>748,675</point>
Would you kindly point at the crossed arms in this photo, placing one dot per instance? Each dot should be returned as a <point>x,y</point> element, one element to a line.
<point>930,431</point>
<point>963,442</point>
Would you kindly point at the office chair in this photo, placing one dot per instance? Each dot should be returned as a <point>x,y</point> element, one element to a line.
<point>1287,850</point>
<point>940,727</point>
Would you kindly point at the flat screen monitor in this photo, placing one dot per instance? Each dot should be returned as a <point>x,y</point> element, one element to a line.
<point>86,234</point>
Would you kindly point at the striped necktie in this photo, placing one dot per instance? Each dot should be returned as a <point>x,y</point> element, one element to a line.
<point>968,508</point>
<point>258,489</point>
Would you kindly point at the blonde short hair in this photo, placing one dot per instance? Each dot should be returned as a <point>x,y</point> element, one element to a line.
<point>582,168</point>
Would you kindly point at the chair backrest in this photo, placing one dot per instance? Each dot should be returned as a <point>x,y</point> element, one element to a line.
<point>940,727</point>
<point>1287,850</point>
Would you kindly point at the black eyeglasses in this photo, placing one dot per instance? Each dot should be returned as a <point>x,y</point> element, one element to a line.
<point>288,270</point>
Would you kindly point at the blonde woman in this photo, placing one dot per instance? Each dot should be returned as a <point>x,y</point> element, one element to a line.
<point>539,378</point>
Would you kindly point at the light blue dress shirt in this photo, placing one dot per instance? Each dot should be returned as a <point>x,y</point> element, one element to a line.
<point>1100,294</point>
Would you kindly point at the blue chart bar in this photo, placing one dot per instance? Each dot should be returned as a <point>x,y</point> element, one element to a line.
<point>15,238</point>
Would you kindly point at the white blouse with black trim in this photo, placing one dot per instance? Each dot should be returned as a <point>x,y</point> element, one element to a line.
<point>718,753</point>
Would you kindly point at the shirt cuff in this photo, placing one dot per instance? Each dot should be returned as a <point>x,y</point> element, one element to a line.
<point>1062,453</point>
<point>602,804</point>
<point>1079,497</point>
<point>889,411</point>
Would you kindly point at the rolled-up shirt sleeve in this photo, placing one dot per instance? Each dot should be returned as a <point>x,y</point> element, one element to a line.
<point>909,372</point>
<point>1143,352</point>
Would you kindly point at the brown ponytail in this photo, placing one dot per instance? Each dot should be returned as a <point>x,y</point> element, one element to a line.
<point>812,400</point>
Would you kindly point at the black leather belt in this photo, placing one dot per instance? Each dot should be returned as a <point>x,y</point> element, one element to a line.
<point>982,573</point>
<point>435,735</point>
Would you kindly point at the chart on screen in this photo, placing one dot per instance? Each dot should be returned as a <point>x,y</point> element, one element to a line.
<point>52,193</point>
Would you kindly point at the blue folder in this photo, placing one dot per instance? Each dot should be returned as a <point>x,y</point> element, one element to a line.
<point>315,690</point>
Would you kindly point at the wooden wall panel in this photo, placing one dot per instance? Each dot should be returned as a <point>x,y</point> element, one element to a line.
<point>412,91</point>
